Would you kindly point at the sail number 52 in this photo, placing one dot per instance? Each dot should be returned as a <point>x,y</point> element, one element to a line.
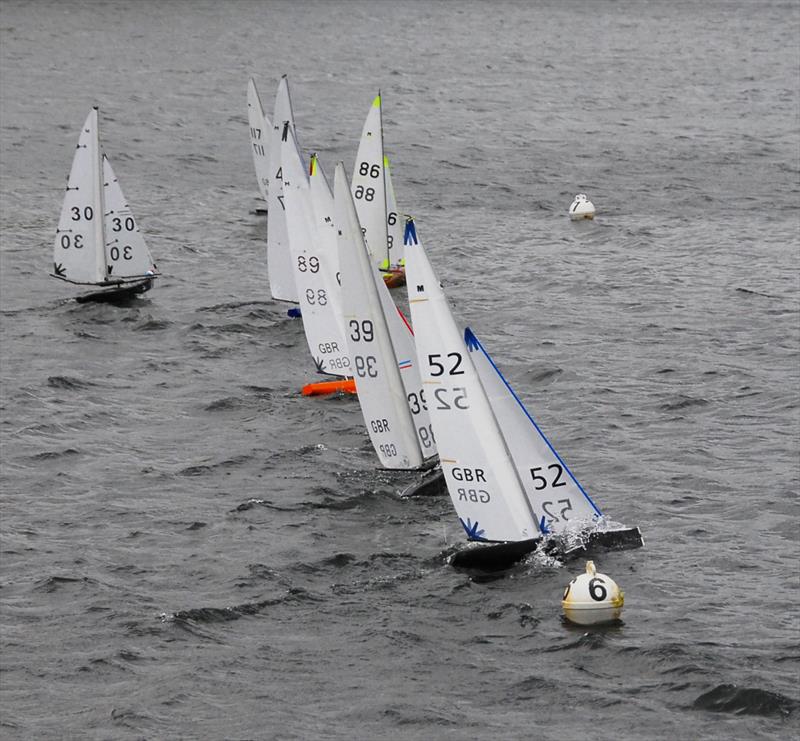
<point>540,482</point>
<point>438,369</point>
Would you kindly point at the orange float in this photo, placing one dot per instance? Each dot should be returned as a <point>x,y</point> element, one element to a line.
<point>322,388</point>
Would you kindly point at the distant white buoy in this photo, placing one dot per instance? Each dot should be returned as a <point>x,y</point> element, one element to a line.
<point>592,598</point>
<point>581,208</point>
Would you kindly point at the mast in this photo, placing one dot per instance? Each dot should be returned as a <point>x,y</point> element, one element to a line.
<point>98,204</point>
<point>385,195</point>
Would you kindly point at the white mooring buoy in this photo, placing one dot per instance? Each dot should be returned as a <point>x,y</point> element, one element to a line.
<point>581,208</point>
<point>592,598</point>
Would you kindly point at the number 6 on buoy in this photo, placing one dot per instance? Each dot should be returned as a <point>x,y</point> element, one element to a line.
<point>592,598</point>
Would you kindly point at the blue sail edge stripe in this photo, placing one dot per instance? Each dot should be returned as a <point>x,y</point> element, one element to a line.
<point>410,234</point>
<point>473,343</point>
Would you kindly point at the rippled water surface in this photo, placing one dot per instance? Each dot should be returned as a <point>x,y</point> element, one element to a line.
<point>190,549</point>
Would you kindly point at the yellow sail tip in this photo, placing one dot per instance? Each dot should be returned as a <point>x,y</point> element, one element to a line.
<point>377,102</point>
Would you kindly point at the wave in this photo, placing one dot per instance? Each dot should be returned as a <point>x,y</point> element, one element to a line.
<point>54,454</point>
<point>683,402</point>
<point>253,503</point>
<point>730,698</point>
<point>53,583</point>
<point>755,293</point>
<point>221,405</point>
<point>216,308</point>
<point>68,382</point>
<point>209,615</point>
<point>203,469</point>
<point>150,325</point>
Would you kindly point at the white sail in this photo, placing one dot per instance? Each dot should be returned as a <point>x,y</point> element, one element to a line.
<point>279,261</point>
<point>78,251</point>
<point>369,186</point>
<point>323,206</point>
<point>377,370</point>
<point>126,253</point>
<point>481,478</point>
<point>394,223</point>
<point>558,501</point>
<point>405,352</point>
<point>260,135</point>
<point>323,334</point>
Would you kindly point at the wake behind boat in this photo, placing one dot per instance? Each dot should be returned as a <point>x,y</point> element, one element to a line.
<point>511,490</point>
<point>98,242</point>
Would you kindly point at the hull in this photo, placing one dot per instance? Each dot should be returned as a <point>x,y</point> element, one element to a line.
<point>322,388</point>
<point>431,485</point>
<point>500,556</point>
<point>117,294</point>
<point>394,278</point>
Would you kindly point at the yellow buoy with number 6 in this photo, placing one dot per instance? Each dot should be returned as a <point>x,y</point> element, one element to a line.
<point>592,598</point>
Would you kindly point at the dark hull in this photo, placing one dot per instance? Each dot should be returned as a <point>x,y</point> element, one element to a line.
<point>118,294</point>
<point>432,484</point>
<point>499,556</point>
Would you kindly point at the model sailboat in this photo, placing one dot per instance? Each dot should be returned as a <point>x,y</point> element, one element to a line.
<point>260,134</point>
<point>312,246</point>
<point>97,240</point>
<point>374,197</point>
<point>279,259</point>
<point>509,487</point>
<point>381,347</point>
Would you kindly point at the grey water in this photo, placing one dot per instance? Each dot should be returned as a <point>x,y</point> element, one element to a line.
<point>191,549</point>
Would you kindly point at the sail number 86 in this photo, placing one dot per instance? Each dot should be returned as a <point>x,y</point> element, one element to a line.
<point>373,171</point>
